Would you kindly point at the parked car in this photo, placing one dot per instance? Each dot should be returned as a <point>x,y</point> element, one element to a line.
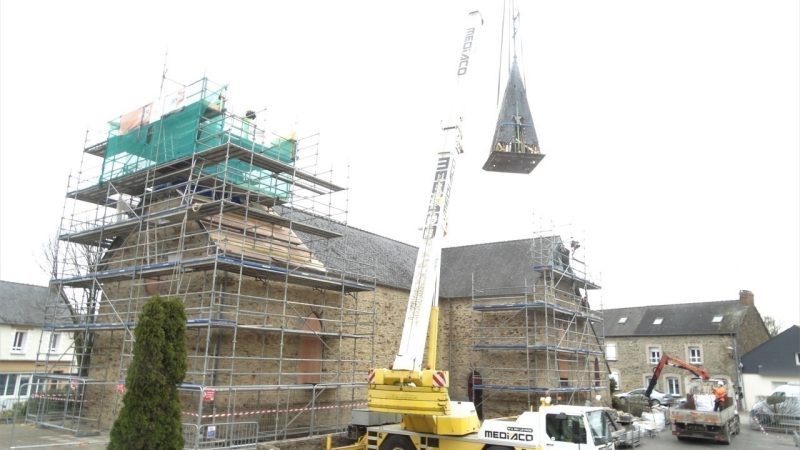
<point>781,409</point>
<point>656,397</point>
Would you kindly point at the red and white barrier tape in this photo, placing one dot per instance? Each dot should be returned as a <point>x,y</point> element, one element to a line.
<point>268,411</point>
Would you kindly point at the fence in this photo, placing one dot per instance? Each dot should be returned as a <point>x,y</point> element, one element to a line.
<point>220,435</point>
<point>57,401</point>
<point>771,422</point>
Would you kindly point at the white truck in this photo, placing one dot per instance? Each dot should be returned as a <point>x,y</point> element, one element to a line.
<point>553,427</point>
<point>697,419</point>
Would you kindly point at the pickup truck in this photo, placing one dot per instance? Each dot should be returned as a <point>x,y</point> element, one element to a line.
<point>697,419</point>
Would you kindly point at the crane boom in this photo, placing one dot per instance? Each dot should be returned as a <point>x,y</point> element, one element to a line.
<point>421,395</point>
<point>424,294</point>
<point>675,362</point>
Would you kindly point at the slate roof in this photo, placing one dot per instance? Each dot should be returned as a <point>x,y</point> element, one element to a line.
<point>389,261</point>
<point>678,320</point>
<point>775,357</point>
<point>23,304</point>
<point>499,267</point>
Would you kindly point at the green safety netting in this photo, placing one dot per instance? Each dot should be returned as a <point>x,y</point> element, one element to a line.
<point>195,128</point>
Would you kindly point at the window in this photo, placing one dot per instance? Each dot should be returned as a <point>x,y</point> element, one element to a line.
<point>54,338</point>
<point>622,320</point>
<point>653,354</point>
<point>647,381</point>
<point>19,342</point>
<point>695,357</point>
<point>600,424</point>
<point>561,427</point>
<point>658,321</point>
<point>673,386</point>
<point>611,351</point>
<point>8,383</point>
<point>716,319</point>
<point>24,385</point>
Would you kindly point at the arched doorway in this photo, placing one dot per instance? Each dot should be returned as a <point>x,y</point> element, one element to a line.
<point>309,353</point>
<point>475,392</point>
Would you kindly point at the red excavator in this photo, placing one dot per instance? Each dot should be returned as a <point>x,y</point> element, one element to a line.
<point>675,362</point>
<point>692,420</point>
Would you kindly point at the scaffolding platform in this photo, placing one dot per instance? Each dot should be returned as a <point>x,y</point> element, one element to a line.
<point>187,200</point>
<point>531,389</point>
<point>105,233</point>
<point>219,262</point>
<point>176,171</point>
<point>540,338</point>
<point>566,273</point>
<point>538,347</point>
<point>201,323</point>
<point>588,314</point>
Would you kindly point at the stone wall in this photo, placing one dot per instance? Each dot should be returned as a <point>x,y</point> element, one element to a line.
<point>245,363</point>
<point>752,331</point>
<point>633,363</point>
<point>461,328</point>
<point>718,352</point>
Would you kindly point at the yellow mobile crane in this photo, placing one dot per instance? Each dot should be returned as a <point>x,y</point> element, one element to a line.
<point>420,393</point>
<point>415,389</point>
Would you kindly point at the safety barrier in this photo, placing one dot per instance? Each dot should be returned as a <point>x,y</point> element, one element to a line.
<point>771,422</point>
<point>57,401</point>
<point>220,435</point>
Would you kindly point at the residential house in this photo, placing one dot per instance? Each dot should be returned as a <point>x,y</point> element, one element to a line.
<point>23,340</point>
<point>712,335</point>
<point>774,363</point>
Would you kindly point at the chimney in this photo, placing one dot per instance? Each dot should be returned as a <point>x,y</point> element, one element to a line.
<point>746,298</point>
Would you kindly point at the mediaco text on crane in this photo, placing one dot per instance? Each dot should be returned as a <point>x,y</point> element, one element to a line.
<point>463,63</point>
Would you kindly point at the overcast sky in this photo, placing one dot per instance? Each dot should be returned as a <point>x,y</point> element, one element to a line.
<point>670,127</point>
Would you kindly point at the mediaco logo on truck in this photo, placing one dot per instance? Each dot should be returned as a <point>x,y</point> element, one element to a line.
<point>513,434</point>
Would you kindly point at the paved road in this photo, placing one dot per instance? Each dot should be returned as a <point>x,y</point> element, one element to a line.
<point>748,439</point>
<point>31,437</point>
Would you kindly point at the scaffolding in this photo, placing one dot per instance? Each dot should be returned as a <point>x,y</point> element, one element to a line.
<point>185,199</point>
<point>539,339</point>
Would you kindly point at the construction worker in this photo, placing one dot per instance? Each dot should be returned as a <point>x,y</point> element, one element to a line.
<point>720,394</point>
<point>248,127</point>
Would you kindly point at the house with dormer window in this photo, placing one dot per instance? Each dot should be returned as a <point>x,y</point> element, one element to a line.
<point>713,335</point>
<point>26,341</point>
<point>771,365</point>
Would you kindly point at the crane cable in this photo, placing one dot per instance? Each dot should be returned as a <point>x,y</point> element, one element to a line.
<point>514,22</point>
<point>500,54</point>
<point>521,51</point>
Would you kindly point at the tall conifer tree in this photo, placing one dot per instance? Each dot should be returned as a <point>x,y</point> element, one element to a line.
<point>150,416</point>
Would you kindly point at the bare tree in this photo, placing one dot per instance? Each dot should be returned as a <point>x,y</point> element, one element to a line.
<point>58,258</point>
<point>773,326</point>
